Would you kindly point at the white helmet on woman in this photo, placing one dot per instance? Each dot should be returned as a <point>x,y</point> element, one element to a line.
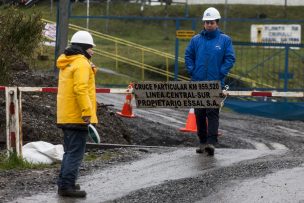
<point>211,14</point>
<point>82,37</point>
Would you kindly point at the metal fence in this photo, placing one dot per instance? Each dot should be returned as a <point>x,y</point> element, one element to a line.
<point>258,65</point>
<point>268,66</point>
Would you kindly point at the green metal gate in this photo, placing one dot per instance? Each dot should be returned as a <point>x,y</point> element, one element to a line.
<point>268,66</point>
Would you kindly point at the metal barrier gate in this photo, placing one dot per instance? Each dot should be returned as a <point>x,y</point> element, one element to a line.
<point>14,140</point>
<point>14,107</point>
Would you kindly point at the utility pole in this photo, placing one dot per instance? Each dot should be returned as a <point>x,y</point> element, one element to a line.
<point>225,15</point>
<point>107,14</point>
<point>285,9</point>
<point>51,7</point>
<point>88,13</point>
<point>62,24</point>
<point>186,10</point>
<point>166,22</point>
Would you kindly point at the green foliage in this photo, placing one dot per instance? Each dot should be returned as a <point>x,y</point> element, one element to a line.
<point>108,155</point>
<point>20,35</point>
<point>13,161</point>
<point>90,156</point>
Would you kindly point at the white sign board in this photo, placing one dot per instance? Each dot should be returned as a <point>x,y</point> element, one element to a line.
<point>175,94</point>
<point>276,33</point>
<point>49,32</point>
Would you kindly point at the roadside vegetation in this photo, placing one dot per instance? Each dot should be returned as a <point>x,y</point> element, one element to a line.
<point>13,161</point>
<point>20,35</point>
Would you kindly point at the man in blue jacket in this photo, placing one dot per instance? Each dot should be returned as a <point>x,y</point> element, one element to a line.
<point>209,56</point>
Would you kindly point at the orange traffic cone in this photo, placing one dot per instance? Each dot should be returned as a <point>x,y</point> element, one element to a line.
<point>127,107</point>
<point>190,123</point>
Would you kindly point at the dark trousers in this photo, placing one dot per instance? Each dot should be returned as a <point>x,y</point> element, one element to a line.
<point>74,149</point>
<point>207,122</point>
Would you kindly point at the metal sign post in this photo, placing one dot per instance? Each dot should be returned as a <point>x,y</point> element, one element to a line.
<point>180,34</point>
<point>177,24</point>
<point>62,25</point>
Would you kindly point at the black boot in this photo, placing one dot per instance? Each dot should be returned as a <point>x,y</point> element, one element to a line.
<point>71,192</point>
<point>76,187</point>
<point>201,148</point>
<point>210,149</point>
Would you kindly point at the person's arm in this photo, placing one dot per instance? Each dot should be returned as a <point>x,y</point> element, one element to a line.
<point>81,79</point>
<point>94,67</point>
<point>229,59</point>
<point>190,57</point>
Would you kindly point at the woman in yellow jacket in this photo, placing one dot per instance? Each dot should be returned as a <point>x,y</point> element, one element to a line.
<point>76,108</point>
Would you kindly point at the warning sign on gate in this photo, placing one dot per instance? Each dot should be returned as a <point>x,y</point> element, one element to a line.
<point>185,34</point>
<point>176,94</point>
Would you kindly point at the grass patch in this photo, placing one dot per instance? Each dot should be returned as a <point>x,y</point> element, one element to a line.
<point>90,156</point>
<point>108,155</point>
<point>13,161</point>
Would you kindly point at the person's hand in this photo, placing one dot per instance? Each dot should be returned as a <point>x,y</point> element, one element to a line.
<point>224,94</point>
<point>86,119</point>
<point>93,65</point>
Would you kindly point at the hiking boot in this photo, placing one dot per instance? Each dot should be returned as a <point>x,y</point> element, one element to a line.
<point>71,192</point>
<point>76,187</point>
<point>210,149</point>
<point>201,148</point>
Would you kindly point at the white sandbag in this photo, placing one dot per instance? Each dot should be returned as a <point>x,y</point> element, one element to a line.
<point>33,156</point>
<point>56,152</point>
<point>35,151</point>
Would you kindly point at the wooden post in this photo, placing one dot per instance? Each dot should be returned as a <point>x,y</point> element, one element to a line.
<point>13,135</point>
<point>20,122</point>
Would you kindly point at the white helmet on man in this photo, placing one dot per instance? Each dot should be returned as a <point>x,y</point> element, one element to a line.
<point>82,37</point>
<point>211,14</point>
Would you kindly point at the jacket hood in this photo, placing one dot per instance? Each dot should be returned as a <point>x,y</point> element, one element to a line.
<point>78,49</point>
<point>64,61</point>
<point>211,34</point>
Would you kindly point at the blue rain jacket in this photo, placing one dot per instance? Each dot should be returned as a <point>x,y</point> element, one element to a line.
<point>209,56</point>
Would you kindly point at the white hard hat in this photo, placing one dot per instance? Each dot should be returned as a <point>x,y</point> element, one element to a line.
<point>211,14</point>
<point>82,37</point>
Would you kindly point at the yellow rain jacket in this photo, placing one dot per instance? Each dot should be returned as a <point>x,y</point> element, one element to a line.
<point>76,95</point>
